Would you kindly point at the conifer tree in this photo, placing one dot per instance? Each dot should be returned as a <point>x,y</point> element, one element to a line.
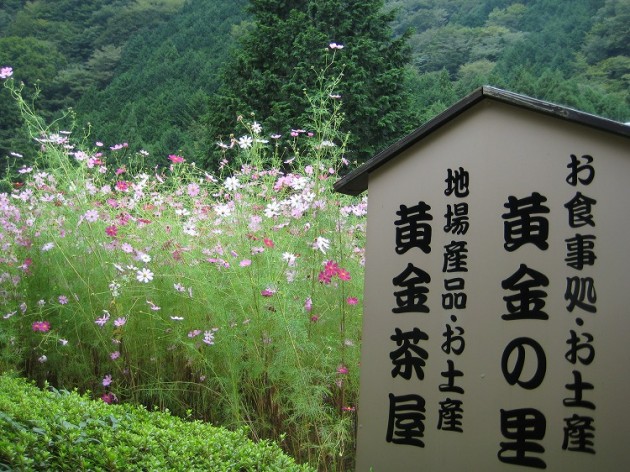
<point>289,43</point>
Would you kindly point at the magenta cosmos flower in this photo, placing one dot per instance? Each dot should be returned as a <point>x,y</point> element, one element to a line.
<point>111,231</point>
<point>41,326</point>
<point>176,159</point>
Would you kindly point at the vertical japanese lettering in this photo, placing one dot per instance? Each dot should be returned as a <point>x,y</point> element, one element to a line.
<point>576,346</point>
<point>454,298</point>
<point>409,356</point>
<point>581,170</point>
<point>451,374</point>
<point>527,303</point>
<point>457,218</point>
<point>513,371</point>
<point>577,387</point>
<point>450,415</point>
<point>457,183</point>
<point>523,223</point>
<point>578,434</point>
<point>455,255</point>
<point>522,427</point>
<point>580,251</point>
<point>406,420</point>
<point>412,229</point>
<point>413,296</point>
<point>581,293</point>
<point>580,209</point>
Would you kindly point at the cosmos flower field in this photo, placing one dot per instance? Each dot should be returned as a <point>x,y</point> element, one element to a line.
<point>231,296</point>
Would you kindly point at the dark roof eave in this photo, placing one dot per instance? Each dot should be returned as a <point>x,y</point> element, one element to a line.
<point>356,181</point>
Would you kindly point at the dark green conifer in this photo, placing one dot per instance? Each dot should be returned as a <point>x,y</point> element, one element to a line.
<point>288,44</point>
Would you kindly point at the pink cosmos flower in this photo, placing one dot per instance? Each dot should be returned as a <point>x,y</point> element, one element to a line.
<point>111,231</point>
<point>343,274</point>
<point>331,268</point>
<point>114,355</point>
<point>153,306</point>
<point>109,398</point>
<point>107,380</point>
<point>103,319</point>
<point>268,242</point>
<point>342,369</point>
<point>245,263</point>
<point>63,300</point>
<point>176,159</point>
<point>41,326</point>
<point>192,190</point>
<point>324,278</point>
<point>6,72</point>
<point>122,186</point>
<point>268,292</point>
<point>308,304</point>
<point>91,216</point>
<point>118,322</point>
<point>254,222</point>
<point>352,300</point>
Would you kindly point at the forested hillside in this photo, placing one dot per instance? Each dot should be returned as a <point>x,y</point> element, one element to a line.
<point>147,71</point>
<point>574,52</point>
<point>66,49</point>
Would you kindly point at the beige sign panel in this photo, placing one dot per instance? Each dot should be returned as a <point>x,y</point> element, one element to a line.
<point>497,321</point>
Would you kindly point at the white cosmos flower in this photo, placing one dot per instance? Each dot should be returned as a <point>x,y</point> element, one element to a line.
<point>289,258</point>
<point>144,275</point>
<point>223,210</point>
<point>245,142</point>
<point>190,228</point>
<point>231,184</point>
<point>272,209</point>
<point>322,244</point>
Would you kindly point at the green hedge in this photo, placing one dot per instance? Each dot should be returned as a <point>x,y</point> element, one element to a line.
<point>44,430</point>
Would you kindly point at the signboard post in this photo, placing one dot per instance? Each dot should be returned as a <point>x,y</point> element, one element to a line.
<point>496,322</point>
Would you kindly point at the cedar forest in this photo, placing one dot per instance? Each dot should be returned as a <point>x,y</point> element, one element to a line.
<point>172,75</point>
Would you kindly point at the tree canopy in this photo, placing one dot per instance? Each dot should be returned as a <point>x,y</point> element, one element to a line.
<point>172,75</point>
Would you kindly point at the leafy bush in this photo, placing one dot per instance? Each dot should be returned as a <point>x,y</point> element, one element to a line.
<point>53,430</point>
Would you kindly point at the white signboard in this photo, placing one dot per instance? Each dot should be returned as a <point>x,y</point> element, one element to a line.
<point>497,323</point>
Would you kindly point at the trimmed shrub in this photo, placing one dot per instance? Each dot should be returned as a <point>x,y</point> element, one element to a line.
<point>61,430</point>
